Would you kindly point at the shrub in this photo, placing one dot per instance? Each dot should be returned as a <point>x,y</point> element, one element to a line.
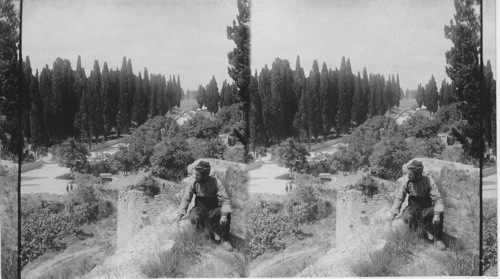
<point>455,153</point>
<point>490,243</point>
<point>420,126</point>
<point>125,160</point>
<point>388,157</point>
<point>41,228</point>
<point>234,154</point>
<point>429,147</point>
<point>147,185</point>
<point>9,220</point>
<point>73,155</point>
<point>207,148</point>
<point>171,158</point>
<point>267,227</point>
<point>368,185</point>
<point>144,139</point>
<point>448,115</point>
<point>292,155</point>
<point>229,118</point>
<point>201,127</point>
<point>101,164</point>
<point>82,202</point>
<point>235,182</point>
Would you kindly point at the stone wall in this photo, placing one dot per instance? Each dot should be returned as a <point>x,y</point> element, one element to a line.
<point>136,211</point>
<point>354,215</point>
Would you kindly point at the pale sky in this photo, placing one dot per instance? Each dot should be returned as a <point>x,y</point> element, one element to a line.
<point>185,37</point>
<point>404,37</point>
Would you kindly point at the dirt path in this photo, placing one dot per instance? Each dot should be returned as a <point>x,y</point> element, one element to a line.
<point>44,179</point>
<point>56,261</point>
<point>263,269</point>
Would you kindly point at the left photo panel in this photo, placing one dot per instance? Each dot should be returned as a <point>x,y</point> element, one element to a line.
<point>134,155</point>
<point>10,88</point>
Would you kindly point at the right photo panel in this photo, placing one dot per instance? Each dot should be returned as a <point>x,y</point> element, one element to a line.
<point>373,129</point>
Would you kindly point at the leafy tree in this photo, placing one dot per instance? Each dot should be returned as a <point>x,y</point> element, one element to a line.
<point>73,155</point>
<point>125,161</point>
<point>201,127</point>
<point>171,158</point>
<point>388,156</point>
<point>292,155</point>
<point>464,69</point>
<point>239,60</point>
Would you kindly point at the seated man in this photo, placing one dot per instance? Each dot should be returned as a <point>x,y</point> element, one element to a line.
<point>212,206</point>
<point>425,205</point>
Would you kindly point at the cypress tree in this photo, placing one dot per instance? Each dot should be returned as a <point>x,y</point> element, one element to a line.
<point>106,95</point>
<point>37,125</point>
<point>45,88</point>
<point>95,101</point>
<point>71,102</point>
<point>138,102</point>
<point>344,99</point>
<point>264,88</point>
<point>26,99</point>
<point>58,101</point>
<point>212,94</point>
<point>432,95</point>
<point>365,88</point>
<point>146,88</point>
<point>257,130</point>
<point>315,120</point>
<point>357,102</point>
<point>327,102</point>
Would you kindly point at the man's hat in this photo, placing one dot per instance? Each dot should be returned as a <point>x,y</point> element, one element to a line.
<point>203,166</point>
<point>416,166</point>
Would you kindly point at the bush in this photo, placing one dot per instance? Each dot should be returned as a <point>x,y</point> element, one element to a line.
<point>367,185</point>
<point>235,182</point>
<point>455,153</point>
<point>207,148</point>
<point>147,185</point>
<point>82,202</point>
<point>144,139</point>
<point>171,158</point>
<point>101,164</point>
<point>429,147</point>
<point>201,127</point>
<point>230,117</point>
<point>388,157</point>
<point>267,227</point>
<point>41,228</point>
<point>292,155</point>
<point>234,154</point>
<point>490,236</point>
<point>9,220</point>
<point>420,126</point>
<point>124,160</point>
<point>73,155</point>
<point>448,115</point>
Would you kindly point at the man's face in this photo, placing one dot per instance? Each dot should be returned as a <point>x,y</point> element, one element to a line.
<point>200,175</point>
<point>414,175</point>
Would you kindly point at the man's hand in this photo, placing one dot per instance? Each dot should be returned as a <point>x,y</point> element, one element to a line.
<point>436,219</point>
<point>223,220</point>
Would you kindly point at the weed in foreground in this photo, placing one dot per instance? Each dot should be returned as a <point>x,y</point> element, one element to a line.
<point>175,262</point>
<point>397,252</point>
<point>72,269</point>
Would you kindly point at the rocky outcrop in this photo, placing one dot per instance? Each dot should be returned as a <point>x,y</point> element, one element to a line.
<point>434,167</point>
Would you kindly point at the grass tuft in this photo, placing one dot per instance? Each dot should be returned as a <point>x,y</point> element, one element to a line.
<point>72,269</point>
